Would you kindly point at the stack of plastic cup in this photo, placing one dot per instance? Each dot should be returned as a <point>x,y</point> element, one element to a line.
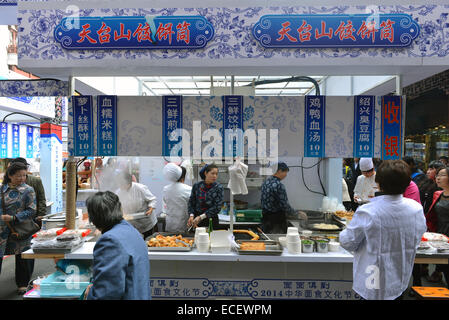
<point>198,230</point>
<point>293,241</point>
<point>203,242</point>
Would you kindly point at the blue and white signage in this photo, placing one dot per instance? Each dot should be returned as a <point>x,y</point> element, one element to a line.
<point>134,32</point>
<point>106,125</point>
<point>314,126</point>
<point>232,121</point>
<point>15,140</point>
<point>3,140</point>
<point>83,125</point>
<point>30,144</point>
<point>171,121</point>
<point>391,144</point>
<point>336,30</point>
<point>364,126</point>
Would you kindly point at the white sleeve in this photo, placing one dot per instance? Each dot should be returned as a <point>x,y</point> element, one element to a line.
<point>358,187</point>
<point>149,197</point>
<point>355,231</point>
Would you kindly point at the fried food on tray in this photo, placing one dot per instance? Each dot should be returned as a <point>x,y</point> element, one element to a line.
<point>345,214</point>
<point>252,246</point>
<point>168,241</point>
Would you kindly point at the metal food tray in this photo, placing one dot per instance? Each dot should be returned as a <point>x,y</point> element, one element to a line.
<point>272,248</point>
<point>135,216</point>
<point>165,234</point>
<point>311,227</point>
<point>57,250</point>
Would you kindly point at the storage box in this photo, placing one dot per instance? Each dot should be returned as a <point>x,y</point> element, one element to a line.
<point>55,286</point>
<point>248,215</point>
<point>220,241</point>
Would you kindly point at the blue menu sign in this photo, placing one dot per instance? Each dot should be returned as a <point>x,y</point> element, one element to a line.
<point>83,125</point>
<point>135,32</point>
<point>391,127</point>
<point>3,140</point>
<point>106,125</point>
<point>15,140</point>
<point>314,126</point>
<point>364,126</point>
<point>336,30</point>
<point>233,120</point>
<point>171,121</point>
<point>29,144</point>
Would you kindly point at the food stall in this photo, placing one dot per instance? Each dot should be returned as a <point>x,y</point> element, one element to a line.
<point>240,40</point>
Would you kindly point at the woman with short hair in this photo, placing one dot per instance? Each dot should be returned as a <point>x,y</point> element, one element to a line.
<point>384,235</point>
<point>18,203</point>
<point>121,268</point>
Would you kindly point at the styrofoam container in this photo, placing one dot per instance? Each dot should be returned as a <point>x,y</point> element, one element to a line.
<point>292,230</point>
<point>292,238</point>
<point>220,241</point>
<point>203,247</point>
<point>334,246</point>
<point>198,231</point>
<point>306,233</point>
<point>294,247</point>
<point>283,241</point>
<point>203,237</point>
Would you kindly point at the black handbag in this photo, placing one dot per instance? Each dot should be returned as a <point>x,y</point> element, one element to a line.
<point>22,230</point>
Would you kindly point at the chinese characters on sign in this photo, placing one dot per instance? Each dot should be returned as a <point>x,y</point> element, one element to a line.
<point>391,144</point>
<point>314,126</point>
<point>82,125</point>
<point>15,140</point>
<point>140,32</point>
<point>29,144</point>
<point>3,140</point>
<point>256,289</point>
<point>364,126</point>
<point>106,126</point>
<point>232,121</point>
<point>171,121</point>
<point>338,30</point>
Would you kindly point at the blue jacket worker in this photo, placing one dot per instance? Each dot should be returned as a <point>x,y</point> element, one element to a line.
<point>121,268</point>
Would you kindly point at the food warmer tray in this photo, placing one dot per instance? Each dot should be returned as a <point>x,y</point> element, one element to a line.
<point>170,249</point>
<point>337,223</point>
<point>135,216</point>
<point>272,248</point>
<point>58,250</point>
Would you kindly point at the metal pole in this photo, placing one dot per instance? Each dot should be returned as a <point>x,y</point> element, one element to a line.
<point>231,197</point>
<point>399,85</point>
<point>70,217</point>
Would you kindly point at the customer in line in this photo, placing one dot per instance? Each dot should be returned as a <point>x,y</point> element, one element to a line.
<point>121,268</point>
<point>18,203</point>
<point>438,218</point>
<point>384,235</point>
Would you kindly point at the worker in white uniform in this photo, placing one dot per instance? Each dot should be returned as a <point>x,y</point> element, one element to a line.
<point>366,186</point>
<point>175,197</point>
<point>136,198</point>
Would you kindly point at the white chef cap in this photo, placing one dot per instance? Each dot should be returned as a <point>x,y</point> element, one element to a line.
<point>172,172</point>
<point>366,164</point>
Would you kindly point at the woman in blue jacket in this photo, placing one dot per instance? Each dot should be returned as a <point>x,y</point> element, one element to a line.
<point>121,268</point>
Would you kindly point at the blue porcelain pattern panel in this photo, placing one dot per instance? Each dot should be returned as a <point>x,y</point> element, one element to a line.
<point>233,35</point>
<point>27,88</point>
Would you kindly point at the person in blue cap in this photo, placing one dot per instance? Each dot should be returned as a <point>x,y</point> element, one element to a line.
<point>274,201</point>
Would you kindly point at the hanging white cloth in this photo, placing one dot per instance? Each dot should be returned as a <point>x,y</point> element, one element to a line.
<point>237,178</point>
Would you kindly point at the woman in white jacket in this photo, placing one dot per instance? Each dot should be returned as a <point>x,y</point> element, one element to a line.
<point>175,199</point>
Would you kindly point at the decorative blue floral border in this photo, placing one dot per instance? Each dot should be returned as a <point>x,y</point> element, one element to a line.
<point>233,37</point>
